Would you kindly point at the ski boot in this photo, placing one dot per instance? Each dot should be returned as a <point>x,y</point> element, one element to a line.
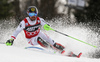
<point>59,47</point>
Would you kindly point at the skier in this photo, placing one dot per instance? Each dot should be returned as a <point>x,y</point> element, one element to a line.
<point>33,34</point>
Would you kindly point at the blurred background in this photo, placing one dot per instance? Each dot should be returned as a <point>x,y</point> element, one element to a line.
<point>78,18</point>
<point>73,10</point>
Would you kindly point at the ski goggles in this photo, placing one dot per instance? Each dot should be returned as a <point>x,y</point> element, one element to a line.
<point>32,14</point>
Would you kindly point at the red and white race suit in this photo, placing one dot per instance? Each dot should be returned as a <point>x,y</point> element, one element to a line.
<point>32,30</point>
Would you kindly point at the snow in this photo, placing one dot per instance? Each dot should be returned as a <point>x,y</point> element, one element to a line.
<point>17,54</point>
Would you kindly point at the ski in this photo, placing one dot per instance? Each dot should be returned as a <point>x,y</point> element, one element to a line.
<point>34,47</point>
<point>53,51</point>
<point>39,49</point>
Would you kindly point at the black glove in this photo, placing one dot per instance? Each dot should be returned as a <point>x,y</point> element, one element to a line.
<point>9,42</point>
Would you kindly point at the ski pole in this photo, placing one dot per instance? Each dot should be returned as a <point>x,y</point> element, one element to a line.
<point>73,37</point>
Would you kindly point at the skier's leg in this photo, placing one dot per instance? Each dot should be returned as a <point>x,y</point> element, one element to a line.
<point>44,37</point>
<point>56,46</point>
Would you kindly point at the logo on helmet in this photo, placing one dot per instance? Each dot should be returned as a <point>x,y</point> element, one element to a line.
<point>32,9</point>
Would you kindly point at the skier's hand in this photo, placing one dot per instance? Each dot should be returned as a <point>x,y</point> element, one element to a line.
<point>9,42</point>
<point>47,27</point>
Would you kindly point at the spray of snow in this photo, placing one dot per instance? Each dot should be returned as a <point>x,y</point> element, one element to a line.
<point>79,31</point>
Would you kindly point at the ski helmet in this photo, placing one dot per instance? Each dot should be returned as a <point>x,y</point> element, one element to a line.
<point>32,11</point>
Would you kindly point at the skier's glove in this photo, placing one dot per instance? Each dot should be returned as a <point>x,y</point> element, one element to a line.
<point>9,42</point>
<point>47,27</point>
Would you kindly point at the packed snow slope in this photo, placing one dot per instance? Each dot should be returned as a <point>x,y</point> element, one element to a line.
<point>15,54</point>
<point>81,31</point>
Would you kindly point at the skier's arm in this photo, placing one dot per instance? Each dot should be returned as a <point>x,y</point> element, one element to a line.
<point>20,27</point>
<point>43,22</point>
<point>45,25</point>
